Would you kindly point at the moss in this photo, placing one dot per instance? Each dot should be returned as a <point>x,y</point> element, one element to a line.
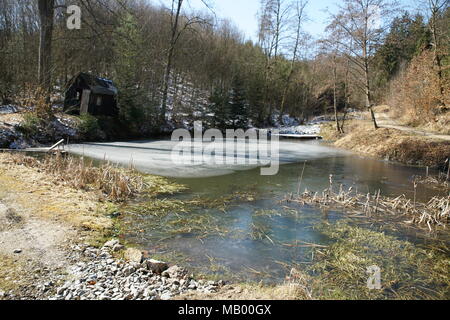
<point>88,126</point>
<point>161,186</point>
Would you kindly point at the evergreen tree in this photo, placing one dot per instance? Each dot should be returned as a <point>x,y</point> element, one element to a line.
<point>238,105</point>
<point>219,109</point>
<point>127,52</point>
<point>407,37</point>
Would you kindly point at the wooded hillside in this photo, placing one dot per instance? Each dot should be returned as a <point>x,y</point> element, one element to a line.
<point>173,65</point>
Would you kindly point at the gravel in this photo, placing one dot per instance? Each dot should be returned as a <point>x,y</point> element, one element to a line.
<point>103,277</point>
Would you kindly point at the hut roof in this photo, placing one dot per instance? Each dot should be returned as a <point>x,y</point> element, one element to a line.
<point>96,84</point>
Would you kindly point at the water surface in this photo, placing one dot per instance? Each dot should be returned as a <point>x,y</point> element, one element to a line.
<point>258,236</point>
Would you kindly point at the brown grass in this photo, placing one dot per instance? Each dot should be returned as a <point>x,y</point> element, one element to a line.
<point>115,183</point>
<point>394,145</point>
<point>292,289</point>
<point>33,190</point>
<point>435,213</point>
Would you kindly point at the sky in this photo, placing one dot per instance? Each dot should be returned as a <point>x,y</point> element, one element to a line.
<point>244,13</point>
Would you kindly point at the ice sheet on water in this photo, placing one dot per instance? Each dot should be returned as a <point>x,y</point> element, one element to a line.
<point>155,157</point>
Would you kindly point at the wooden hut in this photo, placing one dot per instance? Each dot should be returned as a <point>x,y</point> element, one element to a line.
<point>86,93</point>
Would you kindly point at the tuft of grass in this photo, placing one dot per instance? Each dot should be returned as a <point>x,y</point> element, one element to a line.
<point>30,125</point>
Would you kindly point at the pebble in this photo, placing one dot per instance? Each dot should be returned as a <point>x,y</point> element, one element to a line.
<point>17,251</point>
<point>103,277</point>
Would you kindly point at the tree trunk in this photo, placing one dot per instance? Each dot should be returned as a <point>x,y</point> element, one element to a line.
<point>346,96</point>
<point>338,127</point>
<point>367,89</point>
<point>437,57</point>
<point>46,13</point>
<point>173,41</point>
<point>300,9</point>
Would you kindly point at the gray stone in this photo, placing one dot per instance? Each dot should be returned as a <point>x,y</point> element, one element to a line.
<point>118,247</point>
<point>155,266</point>
<point>111,243</point>
<point>175,272</point>
<point>166,296</point>
<point>133,255</point>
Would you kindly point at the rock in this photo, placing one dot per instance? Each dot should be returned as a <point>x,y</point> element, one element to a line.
<point>193,285</point>
<point>111,243</point>
<point>17,251</point>
<point>8,109</point>
<point>156,266</point>
<point>133,255</point>
<point>175,272</point>
<point>166,296</point>
<point>115,214</point>
<point>118,247</point>
<point>221,283</point>
<point>104,277</point>
<point>128,271</point>
<point>60,291</point>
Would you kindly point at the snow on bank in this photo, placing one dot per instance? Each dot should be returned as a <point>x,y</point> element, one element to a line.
<point>301,130</point>
<point>8,109</point>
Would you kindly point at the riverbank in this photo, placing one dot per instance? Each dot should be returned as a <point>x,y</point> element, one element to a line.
<point>54,241</point>
<point>390,143</point>
<point>21,129</point>
<point>63,242</point>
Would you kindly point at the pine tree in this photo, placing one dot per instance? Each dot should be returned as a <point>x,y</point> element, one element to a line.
<point>219,109</point>
<point>127,50</point>
<point>238,105</point>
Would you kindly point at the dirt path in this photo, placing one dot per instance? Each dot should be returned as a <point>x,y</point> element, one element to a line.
<point>33,238</point>
<point>40,222</point>
<point>384,121</point>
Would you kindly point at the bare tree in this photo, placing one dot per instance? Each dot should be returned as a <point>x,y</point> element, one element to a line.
<point>435,8</point>
<point>300,6</point>
<point>46,15</point>
<point>358,28</point>
<point>273,19</point>
<point>178,25</point>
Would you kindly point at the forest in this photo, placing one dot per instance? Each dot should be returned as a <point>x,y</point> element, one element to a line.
<point>339,189</point>
<point>173,65</point>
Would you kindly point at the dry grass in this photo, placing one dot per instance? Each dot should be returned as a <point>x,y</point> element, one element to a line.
<point>440,182</point>
<point>115,183</point>
<point>37,192</point>
<point>396,145</point>
<point>407,271</point>
<point>435,213</point>
<point>293,289</point>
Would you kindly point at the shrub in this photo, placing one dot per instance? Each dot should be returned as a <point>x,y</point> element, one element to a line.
<point>88,126</point>
<point>416,92</point>
<point>30,125</point>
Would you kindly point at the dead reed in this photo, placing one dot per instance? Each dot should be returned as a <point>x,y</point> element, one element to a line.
<point>116,184</point>
<point>432,214</point>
